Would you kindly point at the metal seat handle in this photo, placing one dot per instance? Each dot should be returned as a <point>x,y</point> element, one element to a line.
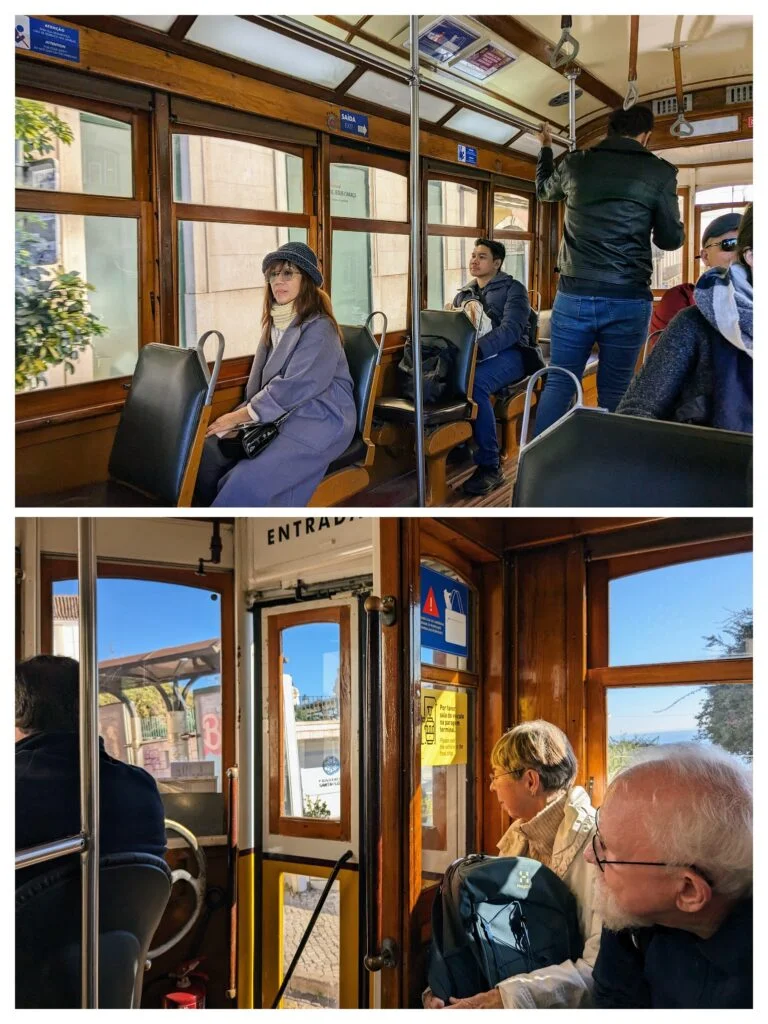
<point>385,324</point>
<point>529,398</point>
<point>211,377</point>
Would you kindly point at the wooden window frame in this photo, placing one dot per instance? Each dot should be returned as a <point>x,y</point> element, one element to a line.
<point>601,677</point>
<point>281,824</point>
<point>54,568</point>
<point>80,400</point>
<point>526,236</point>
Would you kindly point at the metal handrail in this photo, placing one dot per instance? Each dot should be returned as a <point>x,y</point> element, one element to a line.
<point>49,851</point>
<point>308,930</point>
<point>214,375</point>
<point>529,396</point>
<point>415,197</point>
<point>384,326</point>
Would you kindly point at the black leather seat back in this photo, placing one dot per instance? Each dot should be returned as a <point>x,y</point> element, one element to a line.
<point>134,891</point>
<point>456,327</point>
<point>362,354</point>
<point>599,459</point>
<point>159,421</point>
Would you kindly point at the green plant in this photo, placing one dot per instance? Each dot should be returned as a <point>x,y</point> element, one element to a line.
<point>53,321</point>
<point>621,752</point>
<point>316,807</point>
<point>37,126</point>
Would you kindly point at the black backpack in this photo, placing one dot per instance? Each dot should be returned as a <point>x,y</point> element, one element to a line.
<point>494,917</point>
<point>437,358</point>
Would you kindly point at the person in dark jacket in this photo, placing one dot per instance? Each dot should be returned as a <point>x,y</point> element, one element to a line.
<point>501,355</point>
<point>300,368</point>
<point>618,197</point>
<point>673,843</point>
<point>48,778</point>
<point>700,370</point>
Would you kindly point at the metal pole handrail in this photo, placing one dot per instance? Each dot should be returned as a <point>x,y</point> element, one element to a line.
<point>89,764</point>
<point>418,393</point>
<point>49,851</point>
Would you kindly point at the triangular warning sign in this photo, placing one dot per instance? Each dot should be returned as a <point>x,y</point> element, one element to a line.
<point>430,605</point>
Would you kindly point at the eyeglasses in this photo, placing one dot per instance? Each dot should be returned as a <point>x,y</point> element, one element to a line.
<point>726,244</point>
<point>494,776</point>
<point>282,275</point>
<point>602,861</point>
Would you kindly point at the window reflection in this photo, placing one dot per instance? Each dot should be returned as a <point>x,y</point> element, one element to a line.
<point>316,979</point>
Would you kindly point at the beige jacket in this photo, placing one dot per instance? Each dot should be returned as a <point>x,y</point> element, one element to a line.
<point>568,984</point>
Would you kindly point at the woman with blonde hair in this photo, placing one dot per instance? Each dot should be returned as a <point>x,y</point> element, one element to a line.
<point>533,771</point>
<point>299,369</point>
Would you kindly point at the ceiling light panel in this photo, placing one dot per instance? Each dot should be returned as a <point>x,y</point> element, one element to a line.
<point>161,22</point>
<point>526,143</point>
<point>386,92</point>
<point>243,39</point>
<point>469,122</point>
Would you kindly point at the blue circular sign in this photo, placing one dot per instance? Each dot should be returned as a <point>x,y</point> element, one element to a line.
<point>331,765</point>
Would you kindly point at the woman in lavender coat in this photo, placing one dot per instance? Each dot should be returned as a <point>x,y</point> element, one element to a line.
<point>299,366</point>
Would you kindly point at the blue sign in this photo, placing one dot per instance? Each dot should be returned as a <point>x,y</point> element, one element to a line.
<point>47,37</point>
<point>467,154</point>
<point>444,38</point>
<point>355,124</point>
<point>444,613</point>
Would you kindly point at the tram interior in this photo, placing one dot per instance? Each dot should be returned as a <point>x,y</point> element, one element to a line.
<point>278,679</point>
<point>161,157</point>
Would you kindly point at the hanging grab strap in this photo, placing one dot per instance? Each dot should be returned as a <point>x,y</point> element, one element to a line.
<point>560,56</point>
<point>631,97</point>
<point>681,129</point>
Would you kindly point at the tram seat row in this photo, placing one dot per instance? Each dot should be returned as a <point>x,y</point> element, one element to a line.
<point>134,892</point>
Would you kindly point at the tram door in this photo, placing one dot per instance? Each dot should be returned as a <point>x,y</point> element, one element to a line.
<point>310,795</point>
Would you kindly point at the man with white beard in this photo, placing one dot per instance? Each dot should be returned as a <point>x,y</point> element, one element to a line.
<point>674,847</point>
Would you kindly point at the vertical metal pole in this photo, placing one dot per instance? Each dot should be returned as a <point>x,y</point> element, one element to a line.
<point>416,264</point>
<point>89,763</point>
<point>572,75</point>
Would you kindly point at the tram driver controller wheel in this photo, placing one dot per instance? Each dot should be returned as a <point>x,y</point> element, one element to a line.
<point>180,875</point>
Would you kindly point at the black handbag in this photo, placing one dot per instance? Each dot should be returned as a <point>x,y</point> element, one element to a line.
<point>251,439</point>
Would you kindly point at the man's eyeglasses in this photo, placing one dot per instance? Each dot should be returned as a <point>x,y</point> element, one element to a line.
<point>282,275</point>
<point>602,861</point>
<point>726,244</point>
<point>495,776</point>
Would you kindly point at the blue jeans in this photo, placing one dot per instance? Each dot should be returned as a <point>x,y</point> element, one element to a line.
<point>491,375</point>
<point>619,326</point>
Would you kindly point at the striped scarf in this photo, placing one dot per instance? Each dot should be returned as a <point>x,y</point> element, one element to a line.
<point>724,296</point>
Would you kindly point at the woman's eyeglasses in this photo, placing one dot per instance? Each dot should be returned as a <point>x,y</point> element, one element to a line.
<point>726,244</point>
<point>282,275</point>
<point>495,776</point>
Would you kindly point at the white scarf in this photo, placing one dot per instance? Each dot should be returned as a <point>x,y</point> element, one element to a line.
<point>282,315</point>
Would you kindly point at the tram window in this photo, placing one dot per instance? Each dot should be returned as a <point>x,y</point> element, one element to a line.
<point>316,980</point>
<point>63,149</point>
<point>511,212</point>
<point>451,202</point>
<point>159,654</point>
<point>103,251</point>
<point>518,259</point>
<point>220,280</point>
<point>370,271</point>
<point>447,267</point>
<point>645,716</point>
<point>669,267</point>
<point>359,191</point>
<point>227,172</point>
<point>692,611</point>
<point>737,195</point>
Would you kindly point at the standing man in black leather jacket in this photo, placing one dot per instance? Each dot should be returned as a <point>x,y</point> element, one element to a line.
<point>618,197</point>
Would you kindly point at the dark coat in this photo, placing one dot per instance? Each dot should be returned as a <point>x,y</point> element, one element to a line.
<point>505,301</point>
<point>693,375</point>
<point>48,801</point>
<point>617,196</point>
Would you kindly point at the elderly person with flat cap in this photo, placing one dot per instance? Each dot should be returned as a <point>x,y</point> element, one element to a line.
<point>299,368</point>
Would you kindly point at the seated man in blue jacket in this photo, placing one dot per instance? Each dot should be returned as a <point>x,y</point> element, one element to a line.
<point>47,773</point>
<point>500,356</point>
<point>673,843</point>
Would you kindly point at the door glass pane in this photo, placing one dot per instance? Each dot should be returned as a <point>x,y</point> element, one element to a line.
<point>449,202</point>
<point>159,653</point>
<point>687,612</point>
<point>645,715</point>
<point>77,306</point>
<point>370,271</point>
<point>359,191</point>
<point>312,721</point>
<point>511,212</point>
<point>61,149</point>
<point>447,268</point>
<point>517,259</point>
<point>227,172</point>
<point>315,981</point>
<point>221,285</point>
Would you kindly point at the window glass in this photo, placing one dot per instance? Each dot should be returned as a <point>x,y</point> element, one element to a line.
<point>669,267</point>
<point>517,261</point>
<point>159,654</point>
<point>736,194</point>
<point>511,212</point>
<point>227,172</point>
<point>447,268</point>
<point>61,149</point>
<point>687,612</point>
<point>76,298</point>
<point>449,202</point>
<point>316,979</point>
<point>647,715</point>
<point>221,285</point>
<point>370,271</point>
<point>311,721</point>
<point>359,191</point>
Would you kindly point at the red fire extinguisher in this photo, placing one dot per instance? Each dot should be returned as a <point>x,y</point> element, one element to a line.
<point>190,990</point>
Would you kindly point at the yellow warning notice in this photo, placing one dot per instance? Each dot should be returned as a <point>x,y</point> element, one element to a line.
<point>443,727</point>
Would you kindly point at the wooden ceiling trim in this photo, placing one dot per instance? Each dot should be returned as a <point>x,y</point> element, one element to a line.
<point>182,25</point>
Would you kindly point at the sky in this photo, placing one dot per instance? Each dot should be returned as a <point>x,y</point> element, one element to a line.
<point>656,616</point>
